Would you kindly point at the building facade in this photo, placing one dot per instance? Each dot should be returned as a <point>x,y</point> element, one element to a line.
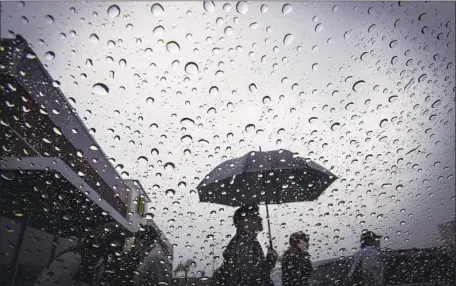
<point>56,182</point>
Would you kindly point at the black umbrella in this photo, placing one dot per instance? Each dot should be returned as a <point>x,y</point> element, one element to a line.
<point>272,177</point>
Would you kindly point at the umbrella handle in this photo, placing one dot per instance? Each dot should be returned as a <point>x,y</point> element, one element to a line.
<point>269,226</point>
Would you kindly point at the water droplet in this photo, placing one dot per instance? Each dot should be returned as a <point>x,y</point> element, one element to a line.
<point>49,55</point>
<point>288,39</point>
<point>254,25</point>
<point>242,7</point>
<point>113,11</point>
<point>315,66</point>
<point>154,152</point>
<point>314,120</point>
<point>422,17</point>
<point>209,6</point>
<point>436,103</point>
<point>213,90</point>
<point>384,123</point>
<point>422,78</point>
<point>358,86</point>
<point>393,44</point>
<point>100,89</point>
<point>349,106</point>
<point>191,68</point>
<point>228,31</point>
<point>24,20</point>
<point>142,158</point>
<point>122,63</point>
<point>252,87</point>
<point>158,31</point>
<point>393,98</point>
<point>94,38</point>
<point>173,47</point>
<point>266,99</point>
<point>319,27</point>
<point>186,139</point>
<point>157,10</point>
<point>287,8</point>
<point>49,19</point>
<point>250,128</point>
<point>264,8</point>
<point>335,126</point>
<point>57,131</point>
<point>227,7</point>
<point>169,166</point>
<point>170,192</point>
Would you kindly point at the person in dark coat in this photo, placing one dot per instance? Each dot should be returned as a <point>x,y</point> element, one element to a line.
<point>368,267</point>
<point>296,264</point>
<point>244,261</point>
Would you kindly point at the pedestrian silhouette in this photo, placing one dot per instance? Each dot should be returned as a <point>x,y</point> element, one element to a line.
<point>367,268</point>
<point>296,264</point>
<point>244,261</point>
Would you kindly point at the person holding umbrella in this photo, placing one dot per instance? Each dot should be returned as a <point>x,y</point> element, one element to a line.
<point>244,261</point>
<point>296,264</point>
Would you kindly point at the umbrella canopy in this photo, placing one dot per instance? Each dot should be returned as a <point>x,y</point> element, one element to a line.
<point>272,177</point>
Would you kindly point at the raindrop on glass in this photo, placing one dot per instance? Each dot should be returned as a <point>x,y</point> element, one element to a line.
<point>157,10</point>
<point>94,38</point>
<point>288,39</point>
<point>172,47</point>
<point>319,27</point>
<point>191,68</point>
<point>228,31</point>
<point>287,8</point>
<point>227,7</point>
<point>335,126</point>
<point>169,166</point>
<point>209,6</point>
<point>252,87</point>
<point>113,11</point>
<point>422,78</point>
<point>253,25</point>
<point>242,7</point>
<point>436,103</point>
<point>49,19</point>
<point>358,86</point>
<point>158,31</point>
<point>49,55</point>
<point>249,128</point>
<point>170,192</point>
<point>100,89</point>
<point>264,8</point>
<point>384,123</point>
<point>393,44</point>
<point>213,90</point>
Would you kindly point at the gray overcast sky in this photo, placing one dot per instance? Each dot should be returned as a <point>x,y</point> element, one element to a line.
<point>354,86</point>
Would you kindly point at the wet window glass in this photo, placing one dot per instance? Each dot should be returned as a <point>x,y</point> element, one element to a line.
<point>227,143</point>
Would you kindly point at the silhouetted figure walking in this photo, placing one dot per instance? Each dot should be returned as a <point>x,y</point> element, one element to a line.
<point>244,261</point>
<point>296,264</point>
<point>367,267</point>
